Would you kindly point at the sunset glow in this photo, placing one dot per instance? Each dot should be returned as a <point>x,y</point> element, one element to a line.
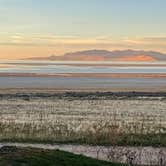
<point>54,27</point>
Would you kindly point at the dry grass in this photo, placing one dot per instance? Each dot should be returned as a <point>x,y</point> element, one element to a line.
<point>106,122</point>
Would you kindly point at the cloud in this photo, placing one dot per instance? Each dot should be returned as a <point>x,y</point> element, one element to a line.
<point>17,37</point>
<point>156,43</point>
<point>50,40</point>
<point>147,41</point>
<point>98,42</point>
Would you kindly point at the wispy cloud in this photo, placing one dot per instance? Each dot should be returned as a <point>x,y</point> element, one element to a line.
<point>50,40</point>
<point>147,41</point>
<point>104,42</point>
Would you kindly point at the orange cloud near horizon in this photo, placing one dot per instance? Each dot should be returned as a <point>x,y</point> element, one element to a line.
<point>21,52</point>
<point>21,47</point>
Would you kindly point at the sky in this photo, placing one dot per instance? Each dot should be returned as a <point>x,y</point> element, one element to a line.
<point>31,28</point>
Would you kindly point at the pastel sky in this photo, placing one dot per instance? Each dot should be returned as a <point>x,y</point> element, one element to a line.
<point>30,28</point>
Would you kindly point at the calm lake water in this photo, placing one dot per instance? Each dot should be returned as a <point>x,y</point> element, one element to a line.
<point>73,67</point>
<point>46,67</point>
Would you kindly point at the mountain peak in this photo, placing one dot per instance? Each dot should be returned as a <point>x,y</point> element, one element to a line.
<point>105,55</point>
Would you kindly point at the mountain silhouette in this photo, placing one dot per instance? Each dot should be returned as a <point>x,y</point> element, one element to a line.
<point>104,55</point>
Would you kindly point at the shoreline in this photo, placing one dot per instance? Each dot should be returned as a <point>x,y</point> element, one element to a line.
<point>52,91</point>
<point>27,94</point>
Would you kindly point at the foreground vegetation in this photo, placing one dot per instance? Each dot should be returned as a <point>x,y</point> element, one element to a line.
<point>14,156</point>
<point>92,119</point>
<point>99,120</point>
<point>155,140</point>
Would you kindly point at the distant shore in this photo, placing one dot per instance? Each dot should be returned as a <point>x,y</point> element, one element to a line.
<point>92,75</point>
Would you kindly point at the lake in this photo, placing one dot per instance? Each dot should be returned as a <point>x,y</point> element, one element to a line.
<point>79,67</point>
<point>155,82</point>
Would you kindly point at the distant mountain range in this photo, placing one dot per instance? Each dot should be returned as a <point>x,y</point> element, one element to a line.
<point>104,55</point>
